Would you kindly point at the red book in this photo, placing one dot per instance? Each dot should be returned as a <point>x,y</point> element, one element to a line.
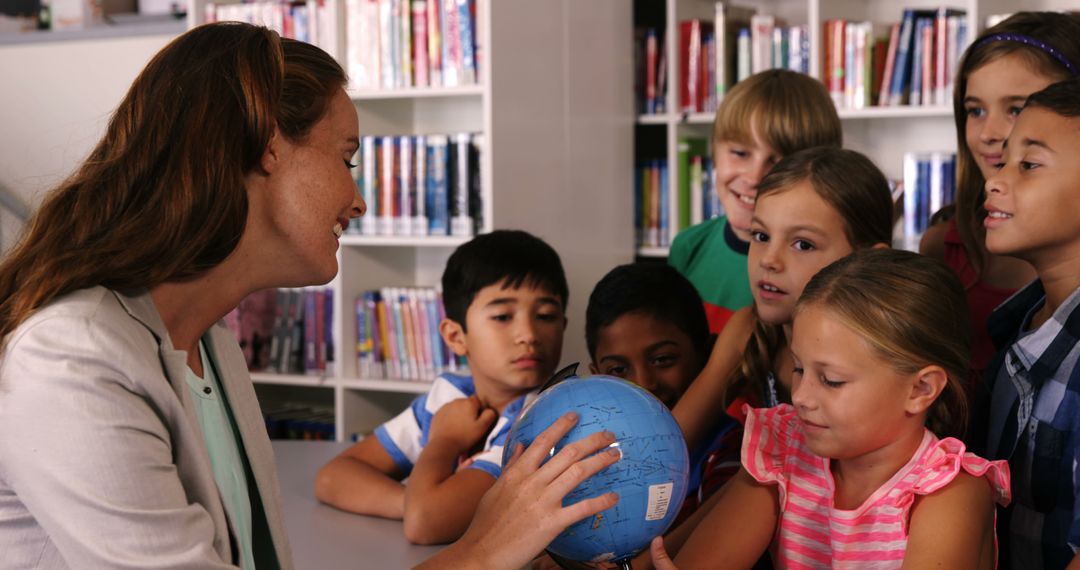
<point>420,41</point>
<point>689,65</point>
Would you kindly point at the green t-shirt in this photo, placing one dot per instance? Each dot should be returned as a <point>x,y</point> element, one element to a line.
<point>227,459</point>
<point>713,258</point>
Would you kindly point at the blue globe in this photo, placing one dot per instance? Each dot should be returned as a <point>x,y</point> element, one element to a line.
<point>651,477</point>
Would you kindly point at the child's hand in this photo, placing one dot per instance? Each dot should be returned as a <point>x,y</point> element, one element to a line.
<point>660,558</point>
<point>462,423</point>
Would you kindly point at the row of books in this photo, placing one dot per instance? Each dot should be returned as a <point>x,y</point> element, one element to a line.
<point>311,21</point>
<point>397,335</point>
<point>695,201</point>
<point>412,43</point>
<point>420,185</point>
<point>929,184</point>
<point>714,55</point>
<point>299,421</point>
<point>288,331</point>
<point>915,65</point>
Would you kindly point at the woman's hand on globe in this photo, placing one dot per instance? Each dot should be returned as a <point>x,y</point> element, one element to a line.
<point>523,511</point>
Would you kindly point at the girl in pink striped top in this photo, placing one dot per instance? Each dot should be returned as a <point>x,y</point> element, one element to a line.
<point>853,473</point>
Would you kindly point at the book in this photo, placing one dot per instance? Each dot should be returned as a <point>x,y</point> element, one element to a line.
<point>885,91</point>
<point>687,149</point>
<point>461,222</point>
<point>420,41</point>
<point>761,40</point>
<point>387,186</point>
<point>434,44</point>
<point>406,187</point>
<point>438,191</point>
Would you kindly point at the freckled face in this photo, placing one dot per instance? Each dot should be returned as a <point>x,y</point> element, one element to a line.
<point>310,198</point>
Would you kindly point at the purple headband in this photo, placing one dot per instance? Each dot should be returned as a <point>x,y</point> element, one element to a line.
<point>1028,40</point>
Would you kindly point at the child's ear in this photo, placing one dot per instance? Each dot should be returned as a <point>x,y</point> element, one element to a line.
<point>880,245</point>
<point>926,386</point>
<point>453,335</point>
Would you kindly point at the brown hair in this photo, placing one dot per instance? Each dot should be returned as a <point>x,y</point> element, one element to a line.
<point>1060,31</point>
<point>853,186</point>
<point>911,310</point>
<point>790,111</point>
<point>161,197</point>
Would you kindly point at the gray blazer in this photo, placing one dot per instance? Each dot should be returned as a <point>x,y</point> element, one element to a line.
<point>102,460</point>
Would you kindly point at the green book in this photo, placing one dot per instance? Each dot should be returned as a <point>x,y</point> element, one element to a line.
<point>687,147</point>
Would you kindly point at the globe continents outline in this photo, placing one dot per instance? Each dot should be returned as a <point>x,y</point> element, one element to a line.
<point>651,478</point>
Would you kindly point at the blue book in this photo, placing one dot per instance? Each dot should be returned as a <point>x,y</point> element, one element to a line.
<point>922,219</point>
<point>902,66</point>
<point>465,26</point>
<point>915,97</point>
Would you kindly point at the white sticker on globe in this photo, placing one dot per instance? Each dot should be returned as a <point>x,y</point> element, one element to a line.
<point>659,501</point>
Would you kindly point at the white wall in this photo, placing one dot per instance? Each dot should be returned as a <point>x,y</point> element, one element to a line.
<point>55,100</point>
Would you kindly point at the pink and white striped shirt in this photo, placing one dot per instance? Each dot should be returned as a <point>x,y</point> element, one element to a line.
<point>813,534</point>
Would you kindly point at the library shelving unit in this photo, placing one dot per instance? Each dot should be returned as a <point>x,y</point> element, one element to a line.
<point>884,134</point>
<point>557,124</point>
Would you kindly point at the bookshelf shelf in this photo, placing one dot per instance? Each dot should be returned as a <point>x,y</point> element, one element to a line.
<point>653,119</point>
<point>417,93</point>
<point>385,385</point>
<point>697,118</point>
<point>353,240</point>
<point>652,252</point>
<point>908,112</point>
<point>292,380</point>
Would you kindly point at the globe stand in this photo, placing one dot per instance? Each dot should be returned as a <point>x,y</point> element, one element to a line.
<point>567,564</point>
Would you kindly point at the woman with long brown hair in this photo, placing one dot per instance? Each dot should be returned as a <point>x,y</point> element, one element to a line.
<point>130,434</point>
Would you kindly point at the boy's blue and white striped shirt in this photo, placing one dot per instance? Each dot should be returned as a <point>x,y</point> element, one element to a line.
<point>405,436</point>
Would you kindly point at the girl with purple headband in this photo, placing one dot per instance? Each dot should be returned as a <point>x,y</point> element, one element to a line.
<point>1006,63</point>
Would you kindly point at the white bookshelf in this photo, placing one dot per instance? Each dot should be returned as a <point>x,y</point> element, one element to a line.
<point>882,133</point>
<point>557,134</point>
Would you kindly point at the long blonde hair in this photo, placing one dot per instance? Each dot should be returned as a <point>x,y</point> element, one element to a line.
<point>790,112</point>
<point>1059,31</point>
<point>858,191</point>
<point>911,310</point>
<point>161,197</point>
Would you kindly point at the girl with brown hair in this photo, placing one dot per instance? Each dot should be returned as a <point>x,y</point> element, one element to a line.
<point>130,434</point>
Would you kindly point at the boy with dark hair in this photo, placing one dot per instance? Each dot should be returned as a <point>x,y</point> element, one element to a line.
<point>645,323</point>
<point>1033,213</point>
<point>505,294</point>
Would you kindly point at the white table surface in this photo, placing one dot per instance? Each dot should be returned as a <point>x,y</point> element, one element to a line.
<point>324,538</point>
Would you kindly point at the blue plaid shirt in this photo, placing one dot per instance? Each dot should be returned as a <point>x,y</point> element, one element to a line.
<point>1034,422</point>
